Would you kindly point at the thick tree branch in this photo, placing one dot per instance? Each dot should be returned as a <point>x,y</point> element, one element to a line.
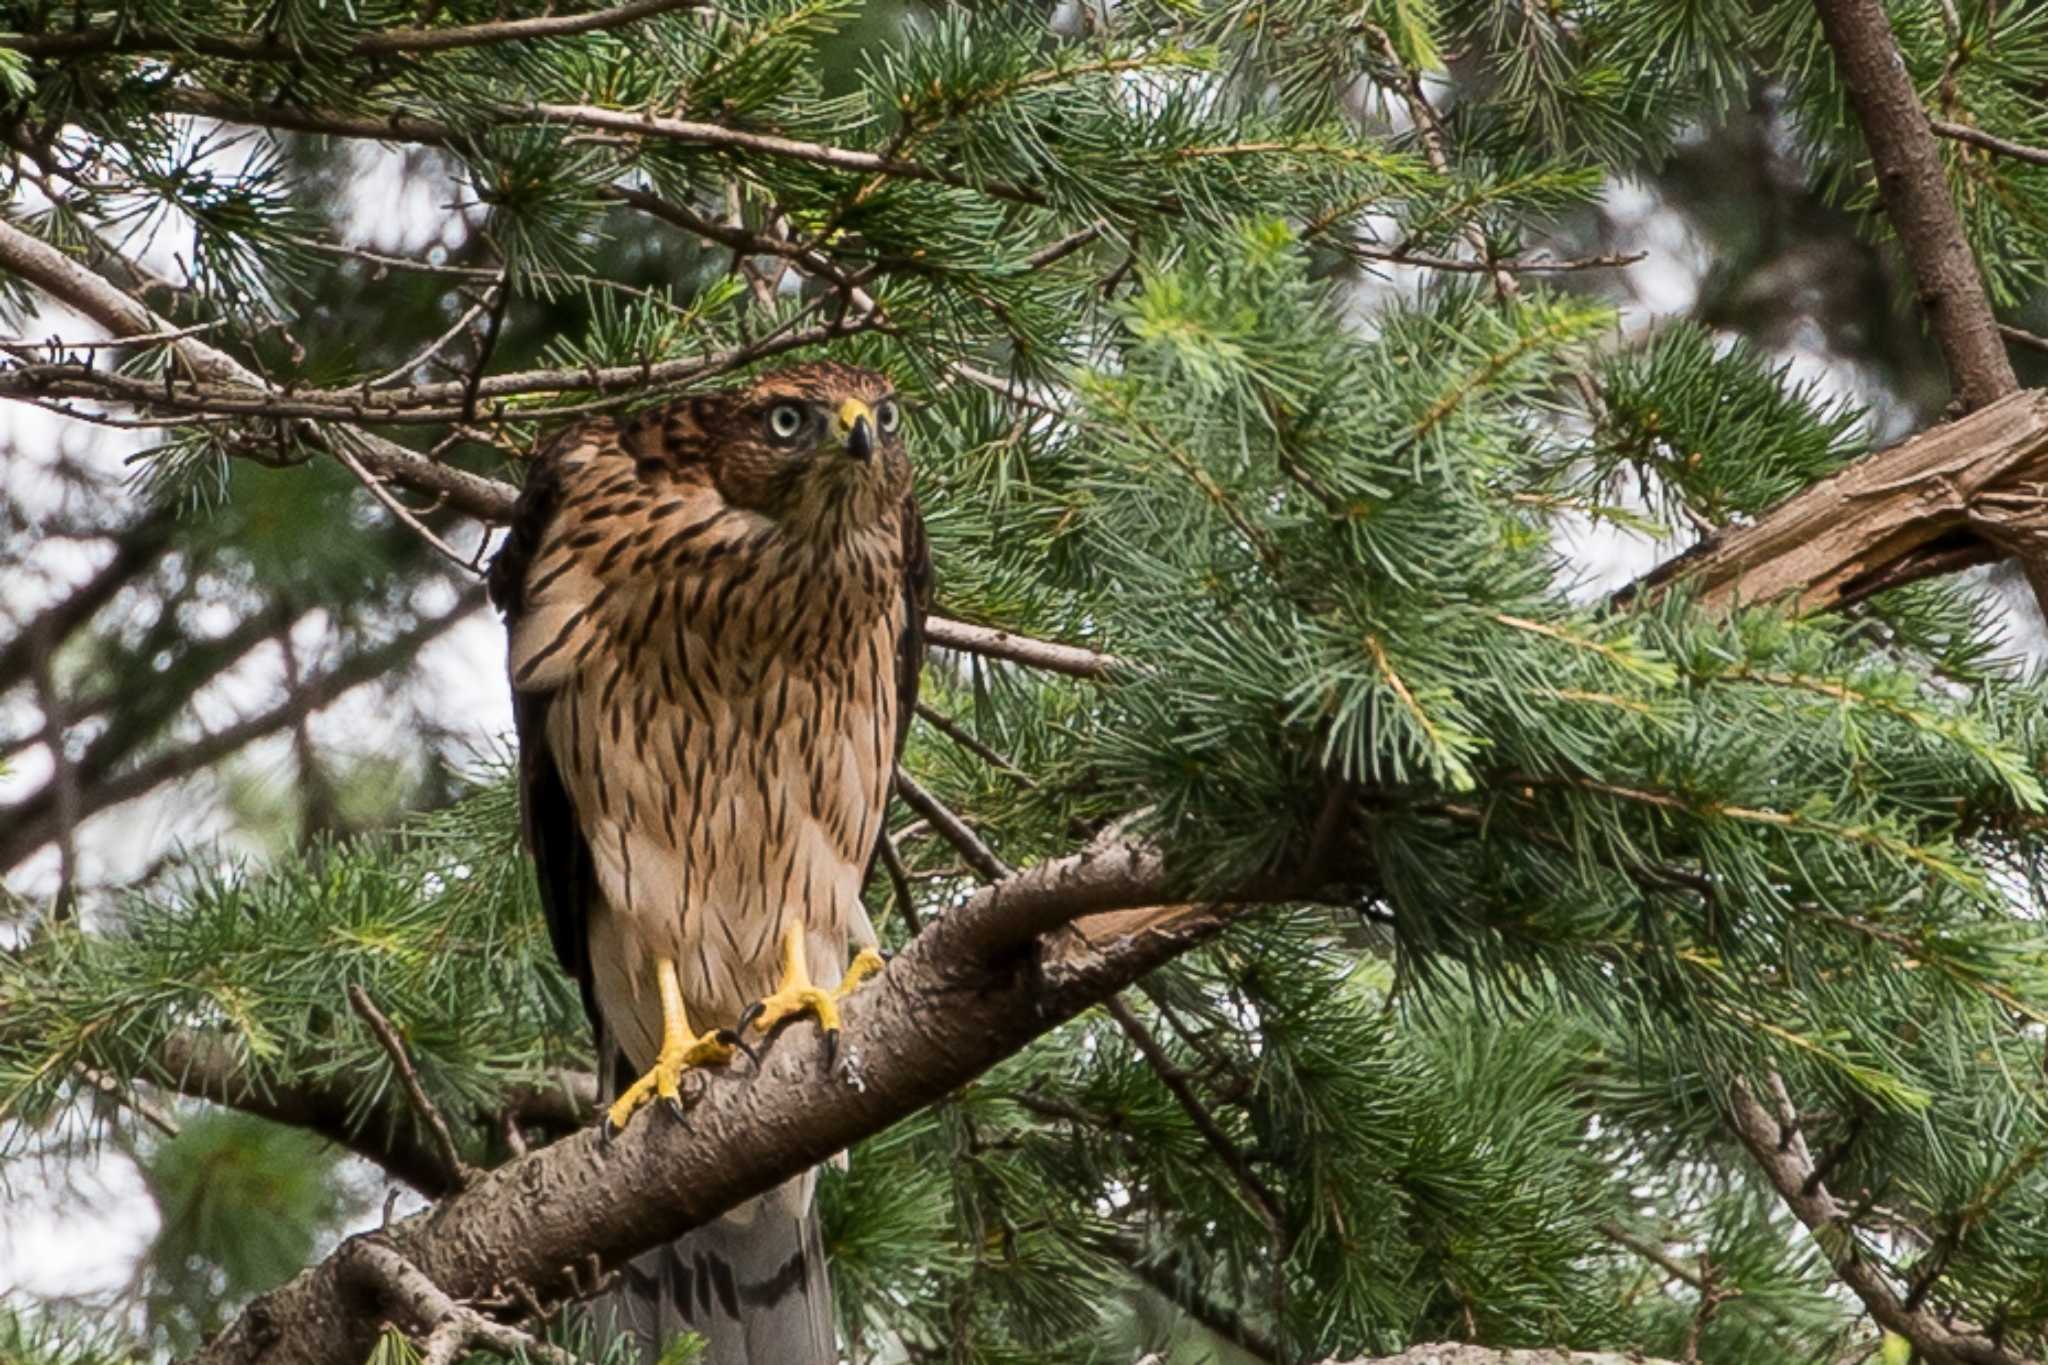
<point>962,996</point>
<point>1914,187</point>
<point>1780,1150</point>
<point>207,1067</point>
<point>1934,503</point>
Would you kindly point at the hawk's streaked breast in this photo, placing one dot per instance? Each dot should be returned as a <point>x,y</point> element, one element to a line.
<point>724,712</point>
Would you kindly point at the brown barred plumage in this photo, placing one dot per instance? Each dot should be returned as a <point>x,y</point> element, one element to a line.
<point>716,615</point>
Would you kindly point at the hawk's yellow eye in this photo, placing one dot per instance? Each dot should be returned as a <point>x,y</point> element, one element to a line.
<point>785,420</point>
<point>886,416</point>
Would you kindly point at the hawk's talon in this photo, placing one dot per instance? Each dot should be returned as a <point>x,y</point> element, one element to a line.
<point>681,1050</point>
<point>831,1047</point>
<point>732,1039</point>
<point>797,995</point>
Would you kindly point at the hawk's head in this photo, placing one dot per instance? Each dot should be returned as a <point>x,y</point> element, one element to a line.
<point>814,446</point>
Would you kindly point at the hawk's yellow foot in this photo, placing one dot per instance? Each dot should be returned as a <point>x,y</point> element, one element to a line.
<point>681,1048</point>
<point>796,995</point>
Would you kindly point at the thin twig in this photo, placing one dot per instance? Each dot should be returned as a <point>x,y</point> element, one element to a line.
<point>399,509</point>
<point>2021,337</point>
<point>459,1172</point>
<point>960,735</point>
<point>385,43</point>
<point>996,643</point>
<point>1963,132</point>
<point>979,855</point>
<point>1255,1190</point>
<point>125,1096</point>
<point>899,882</point>
<point>107,343</point>
<point>406,367</point>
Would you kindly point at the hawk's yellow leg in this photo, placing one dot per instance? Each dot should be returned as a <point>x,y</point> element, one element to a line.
<point>681,1049</point>
<point>797,995</point>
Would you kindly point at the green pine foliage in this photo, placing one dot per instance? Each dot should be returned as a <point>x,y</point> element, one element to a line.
<point>1605,862</point>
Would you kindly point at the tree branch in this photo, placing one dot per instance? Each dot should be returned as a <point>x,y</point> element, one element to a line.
<point>206,1066</point>
<point>1954,495</point>
<point>443,1326</point>
<point>1166,1276</point>
<point>393,42</point>
<point>456,1172</point>
<point>1780,1150</point>
<point>537,1218</point>
<point>1914,187</point>
<point>136,548</point>
<point>996,643</point>
<point>1963,132</point>
<point>396,127</point>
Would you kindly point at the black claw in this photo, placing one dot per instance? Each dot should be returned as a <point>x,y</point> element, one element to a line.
<point>831,1047</point>
<point>674,1105</point>
<point>606,1134</point>
<point>732,1039</point>
<point>750,1014</point>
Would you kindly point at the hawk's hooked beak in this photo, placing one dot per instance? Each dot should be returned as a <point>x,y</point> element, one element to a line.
<point>857,426</point>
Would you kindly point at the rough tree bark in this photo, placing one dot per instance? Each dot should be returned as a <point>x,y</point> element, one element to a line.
<point>969,991</point>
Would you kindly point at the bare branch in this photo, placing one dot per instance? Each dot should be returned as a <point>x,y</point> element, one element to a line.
<point>30,823</point>
<point>996,643</point>
<point>951,827</point>
<point>1914,187</point>
<point>457,1171</point>
<point>208,1067</point>
<point>398,509</point>
<point>136,549</point>
<point>427,132</point>
<point>1165,1275</point>
<point>1780,1149</point>
<point>1952,496</point>
<point>961,736</point>
<point>1402,256</point>
<point>442,1326</point>
<point>270,47</point>
<point>1963,132</point>
<point>73,284</point>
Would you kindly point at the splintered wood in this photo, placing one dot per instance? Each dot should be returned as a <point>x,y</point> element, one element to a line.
<point>1967,492</point>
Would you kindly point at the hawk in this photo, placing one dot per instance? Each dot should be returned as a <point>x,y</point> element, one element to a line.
<point>715,613</point>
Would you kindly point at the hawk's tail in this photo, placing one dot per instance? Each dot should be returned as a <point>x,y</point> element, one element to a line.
<point>752,1284</point>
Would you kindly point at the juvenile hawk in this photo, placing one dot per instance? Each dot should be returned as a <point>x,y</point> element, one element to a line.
<point>716,617</point>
